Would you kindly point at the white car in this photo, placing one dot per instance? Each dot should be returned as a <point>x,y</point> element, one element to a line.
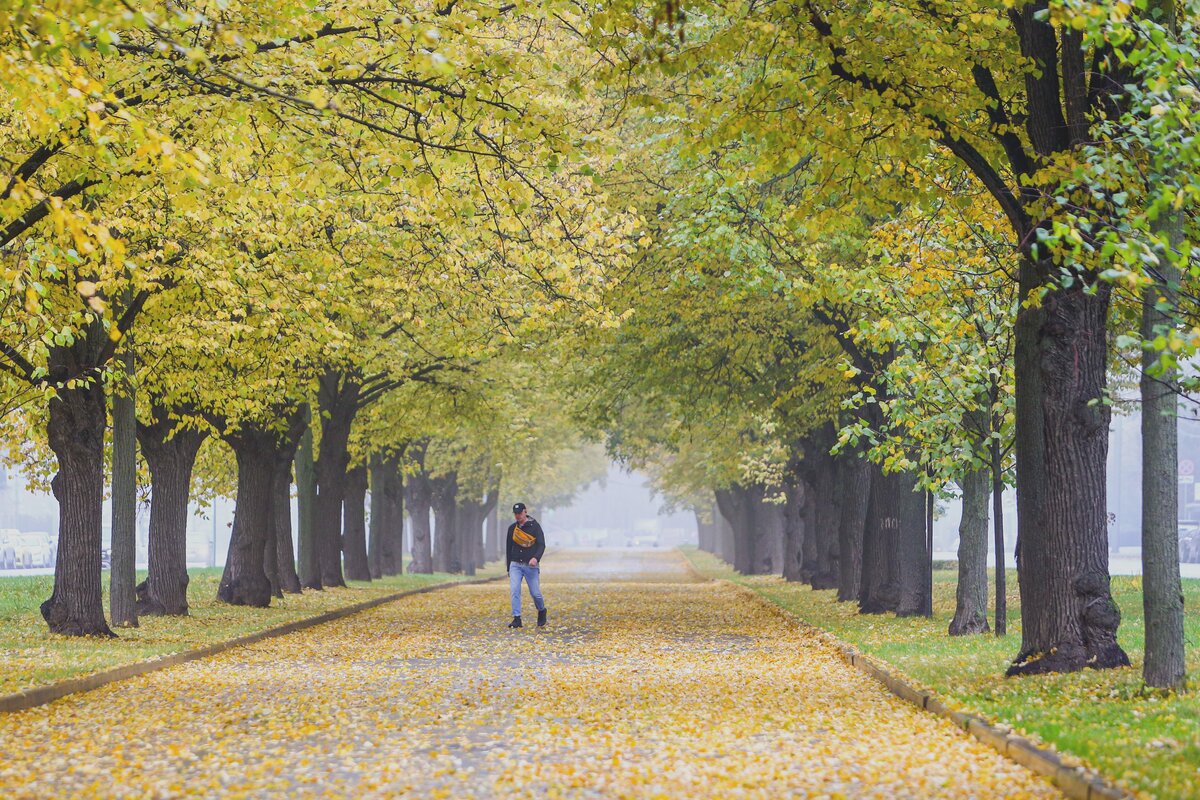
<point>9,541</point>
<point>34,550</point>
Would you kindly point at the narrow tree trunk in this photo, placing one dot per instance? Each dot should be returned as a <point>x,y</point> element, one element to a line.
<point>76,435</point>
<point>419,494</point>
<point>355,525</point>
<point>245,581</point>
<point>970,611</point>
<point>467,532</point>
<point>446,555</point>
<point>170,452</point>
<point>122,592</point>
<point>287,579</point>
<point>1162,590</point>
<point>894,556</point>
<point>379,521</point>
<point>854,498</point>
<point>706,532</point>
<point>309,567</point>
<point>1068,617</point>
<point>337,398</point>
<point>393,535</point>
<point>1001,611</point>
<point>492,547</point>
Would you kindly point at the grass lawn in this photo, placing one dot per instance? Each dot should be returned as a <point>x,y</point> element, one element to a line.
<point>1148,744</point>
<point>31,656</point>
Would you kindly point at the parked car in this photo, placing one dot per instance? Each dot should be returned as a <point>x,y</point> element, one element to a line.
<point>34,549</point>
<point>8,547</point>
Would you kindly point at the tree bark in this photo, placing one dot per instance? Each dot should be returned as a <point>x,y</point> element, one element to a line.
<point>76,435</point>
<point>337,398</point>
<point>287,579</point>
<point>734,508</point>
<point>894,553</point>
<point>393,535</point>
<point>170,452</point>
<point>354,543</point>
<point>854,498</point>
<point>379,521</point>
<point>281,555</point>
<point>245,581</point>
<point>493,545</point>
<point>122,592</point>
<point>306,493</point>
<point>419,494</point>
<point>1068,617</point>
<point>446,554</point>
<point>997,469</point>
<point>1162,589</point>
<point>970,610</point>
<point>796,532</point>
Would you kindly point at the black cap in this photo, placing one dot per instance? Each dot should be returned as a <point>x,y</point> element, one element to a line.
<point>518,508</point>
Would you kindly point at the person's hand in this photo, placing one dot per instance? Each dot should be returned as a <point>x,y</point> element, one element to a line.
<point>533,562</point>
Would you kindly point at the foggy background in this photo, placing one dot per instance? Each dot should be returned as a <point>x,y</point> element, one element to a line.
<point>620,510</point>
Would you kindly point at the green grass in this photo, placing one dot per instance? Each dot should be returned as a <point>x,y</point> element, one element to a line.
<point>1145,742</point>
<point>31,656</point>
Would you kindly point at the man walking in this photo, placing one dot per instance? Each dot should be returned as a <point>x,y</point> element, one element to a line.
<point>526,543</point>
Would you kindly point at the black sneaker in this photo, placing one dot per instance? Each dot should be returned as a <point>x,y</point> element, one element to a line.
<point>516,623</point>
<point>541,618</point>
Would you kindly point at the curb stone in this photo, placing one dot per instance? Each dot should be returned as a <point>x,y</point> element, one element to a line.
<point>41,695</point>
<point>1077,783</point>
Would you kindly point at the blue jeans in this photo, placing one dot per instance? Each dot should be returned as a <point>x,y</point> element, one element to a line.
<point>532,576</point>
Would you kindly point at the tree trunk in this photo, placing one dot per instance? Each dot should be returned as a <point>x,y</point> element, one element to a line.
<point>823,572</point>
<point>796,533</point>
<point>997,469</point>
<point>493,545</point>
<point>854,498</point>
<point>894,551</point>
<point>76,435</point>
<point>287,579</point>
<point>970,611</point>
<point>419,494</point>
<point>1068,617</point>
<point>379,519</point>
<point>467,534</point>
<point>769,531</point>
<point>122,592</point>
<point>446,555</point>
<point>734,508</point>
<point>355,525</point>
<point>706,532</point>
<point>1162,590</point>
<point>337,398</point>
<point>245,581</point>
<point>309,563</point>
<point>170,452</point>
<point>393,534</point>
<point>281,557</point>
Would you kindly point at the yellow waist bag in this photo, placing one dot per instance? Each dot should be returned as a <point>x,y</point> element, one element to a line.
<point>522,539</point>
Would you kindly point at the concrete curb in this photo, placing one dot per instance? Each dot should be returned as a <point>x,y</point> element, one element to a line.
<point>40,695</point>
<point>1077,783</point>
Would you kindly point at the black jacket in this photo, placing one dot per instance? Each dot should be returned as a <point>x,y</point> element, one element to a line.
<point>522,554</point>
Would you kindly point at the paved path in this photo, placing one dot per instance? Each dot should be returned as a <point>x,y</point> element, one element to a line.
<point>646,683</point>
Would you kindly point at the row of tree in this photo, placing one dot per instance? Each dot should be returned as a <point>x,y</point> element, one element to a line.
<point>249,237</point>
<point>906,248</point>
